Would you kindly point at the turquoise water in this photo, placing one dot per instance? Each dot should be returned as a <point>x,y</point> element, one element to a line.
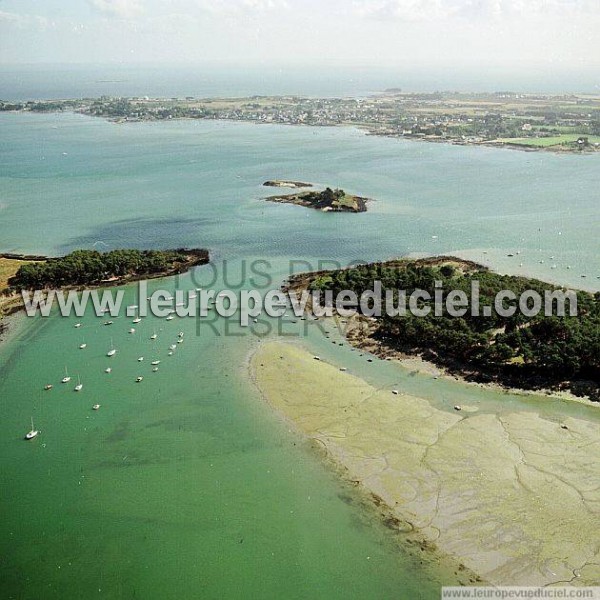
<point>185,484</point>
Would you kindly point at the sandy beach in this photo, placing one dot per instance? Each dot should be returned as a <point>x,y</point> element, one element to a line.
<point>514,496</point>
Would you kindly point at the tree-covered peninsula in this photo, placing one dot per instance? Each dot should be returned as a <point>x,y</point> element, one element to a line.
<point>90,267</point>
<point>531,352</point>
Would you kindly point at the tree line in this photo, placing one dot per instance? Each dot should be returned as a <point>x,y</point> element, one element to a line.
<point>90,267</point>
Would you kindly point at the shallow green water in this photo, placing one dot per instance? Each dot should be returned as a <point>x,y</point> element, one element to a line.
<point>185,484</point>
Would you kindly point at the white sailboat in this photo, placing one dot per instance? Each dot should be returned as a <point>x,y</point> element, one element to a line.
<point>83,345</point>
<point>112,350</point>
<point>33,433</point>
<point>137,320</point>
<point>66,378</point>
<point>79,385</point>
<point>154,335</point>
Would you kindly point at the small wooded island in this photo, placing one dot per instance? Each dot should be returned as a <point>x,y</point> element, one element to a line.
<point>327,201</point>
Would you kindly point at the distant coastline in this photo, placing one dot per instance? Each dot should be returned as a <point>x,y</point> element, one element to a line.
<point>529,122</point>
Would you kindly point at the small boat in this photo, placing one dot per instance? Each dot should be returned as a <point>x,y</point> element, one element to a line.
<point>458,407</point>
<point>170,318</point>
<point>77,325</point>
<point>138,320</point>
<point>155,369</point>
<point>171,353</point>
<point>155,362</point>
<point>112,350</point>
<point>95,407</point>
<point>108,370</point>
<point>172,346</point>
<point>32,433</point>
<point>138,379</point>
<point>66,378</point>
<point>181,334</point>
<point>140,359</point>
<point>108,322</point>
<point>395,392</point>
<point>48,387</point>
<point>317,357</point>
<point>132,330</point>
<point>79,385</point>
<point>83,346</point>
<point>154,336</point>
<point>180,341</point>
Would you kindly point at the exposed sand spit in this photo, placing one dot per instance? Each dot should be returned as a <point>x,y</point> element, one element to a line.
<point>515,496</point>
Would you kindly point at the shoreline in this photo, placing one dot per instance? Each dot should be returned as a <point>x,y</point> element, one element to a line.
<point>371,129</point>
<point>418,363</point>
<point>411,539</point>
<point>467,482</point>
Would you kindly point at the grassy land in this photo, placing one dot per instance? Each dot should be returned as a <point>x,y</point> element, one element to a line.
<point>547,142</point>
<point>347,200</point>
<point>8,268</point>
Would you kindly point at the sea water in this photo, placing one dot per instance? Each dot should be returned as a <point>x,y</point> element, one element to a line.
<point>186,484</point>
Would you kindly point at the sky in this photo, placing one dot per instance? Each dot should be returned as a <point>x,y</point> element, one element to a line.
<point>416,34</point>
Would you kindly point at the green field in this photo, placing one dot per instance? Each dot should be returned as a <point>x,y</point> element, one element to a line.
<point>547,142</point>
<point>8,268</point>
